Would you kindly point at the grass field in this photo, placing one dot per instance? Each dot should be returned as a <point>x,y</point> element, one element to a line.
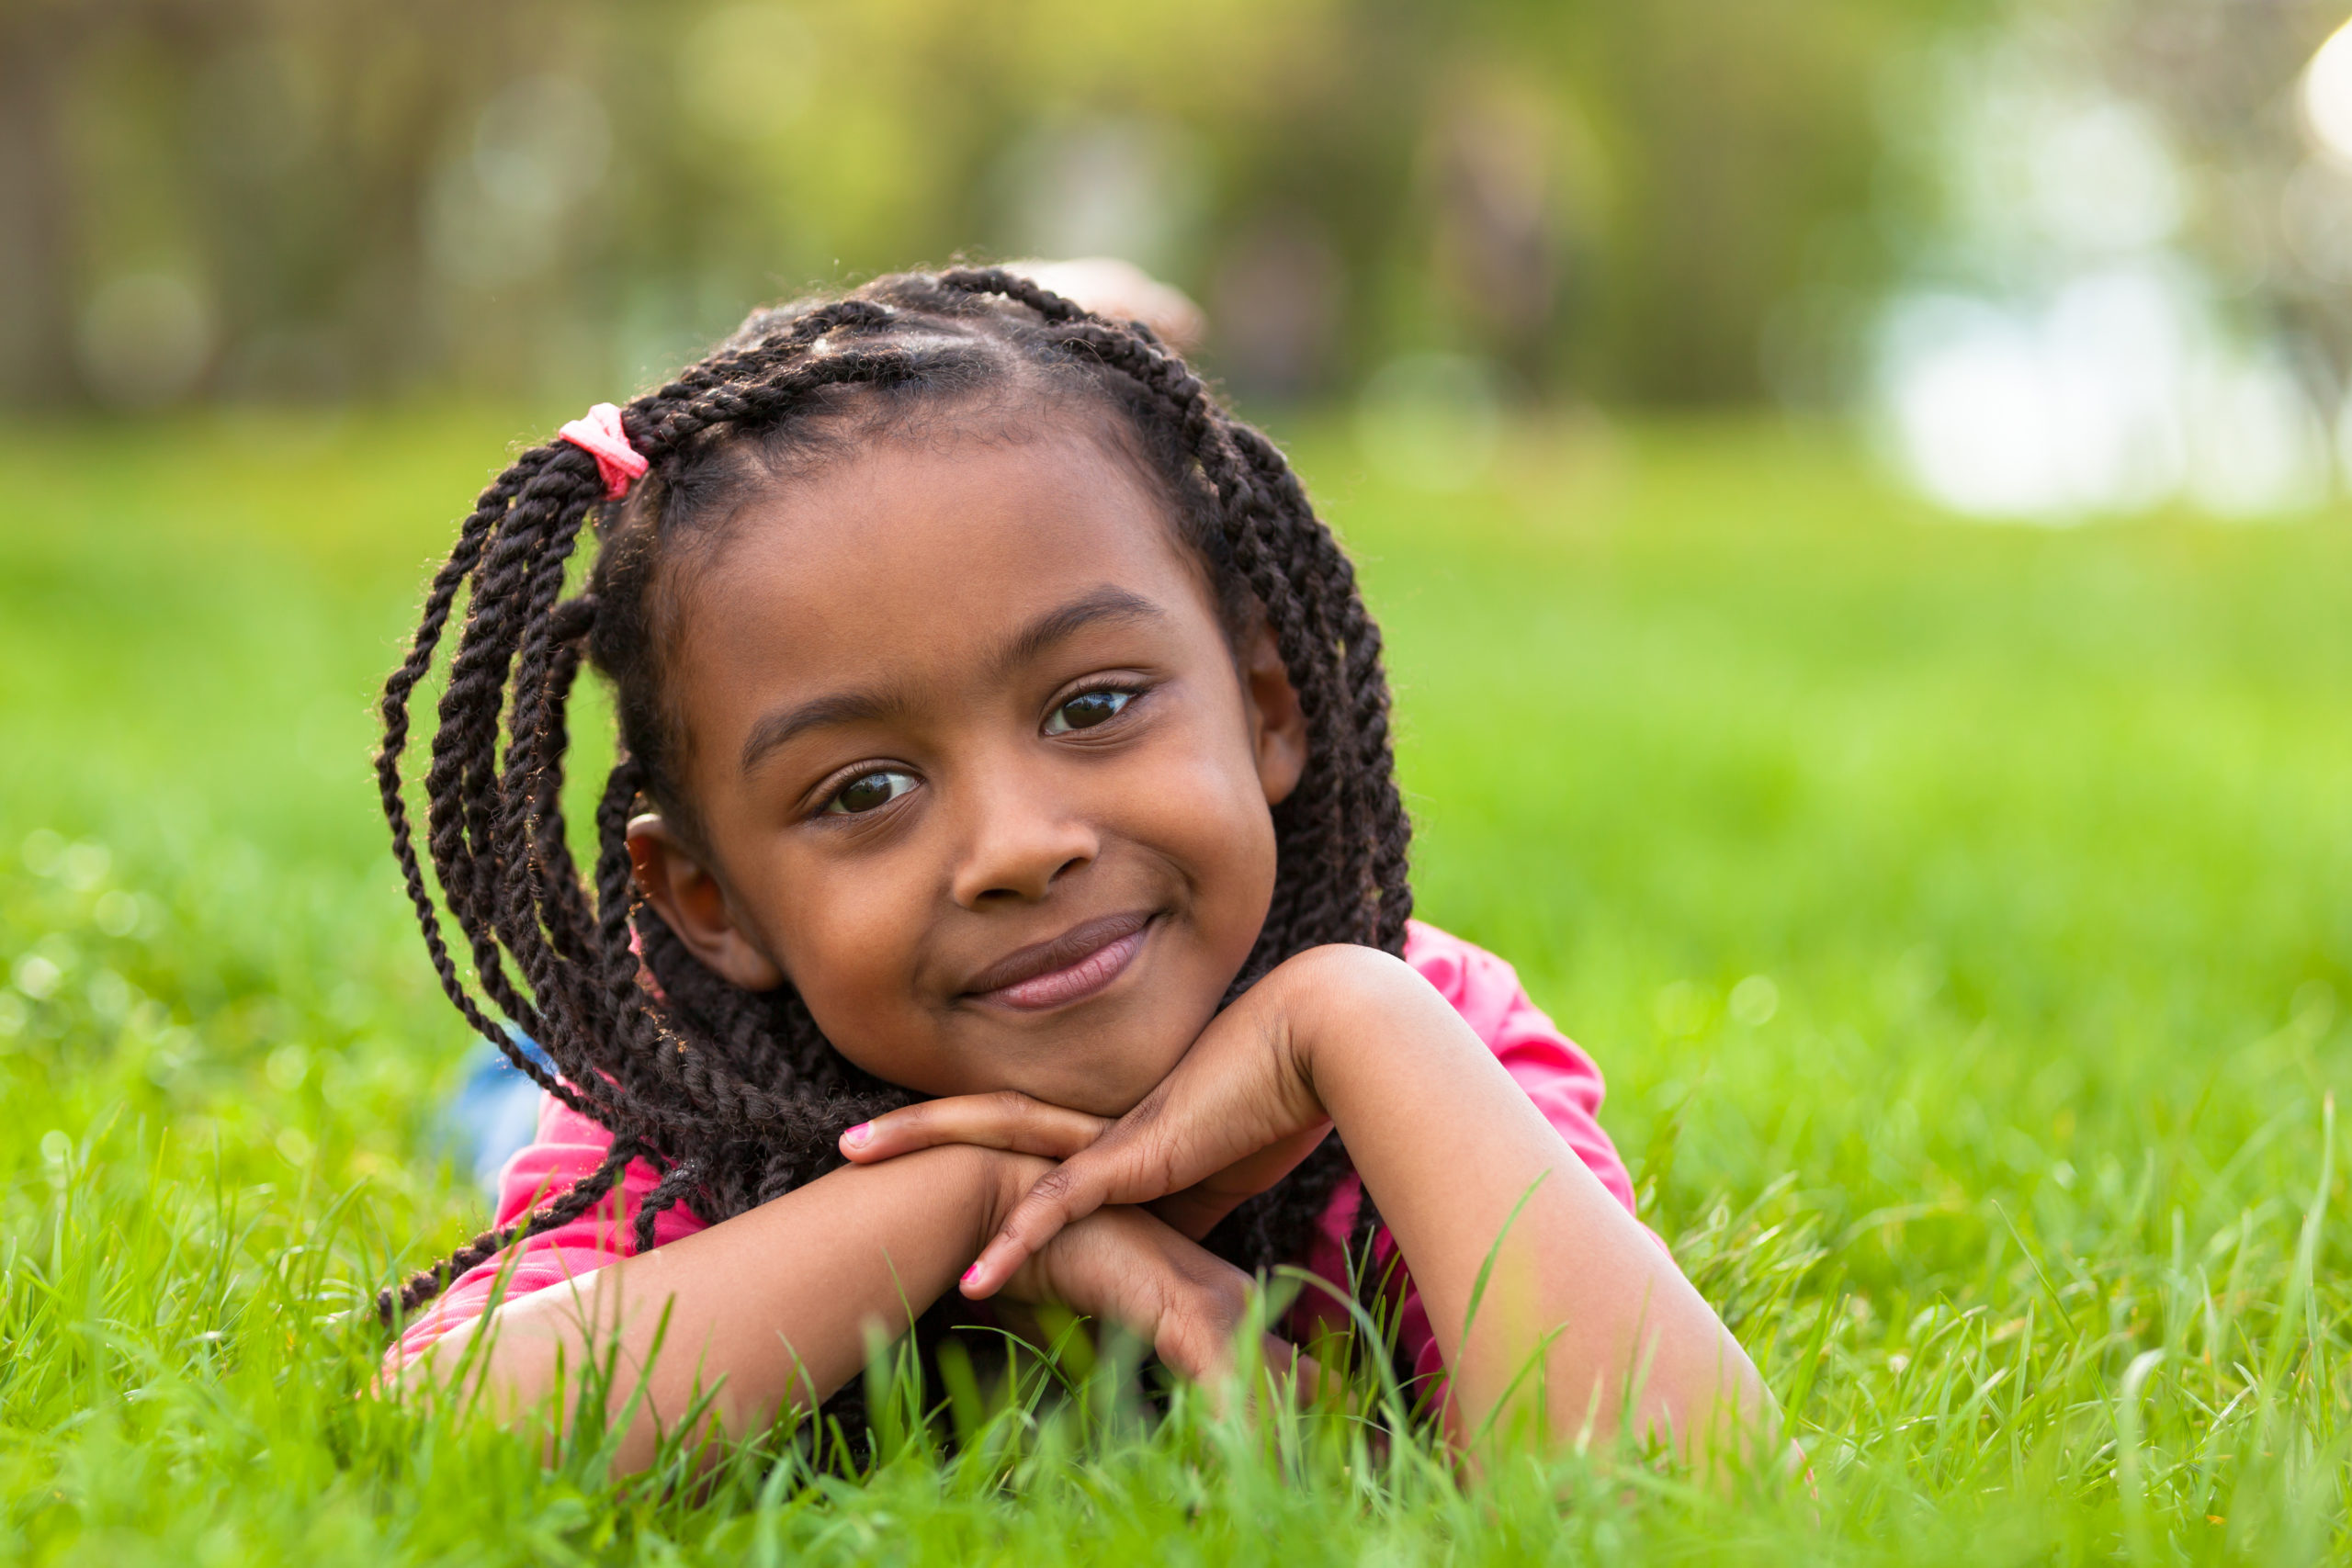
<point>1964,917</point>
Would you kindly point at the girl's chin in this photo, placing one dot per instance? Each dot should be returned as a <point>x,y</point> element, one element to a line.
<point>1104,1088</point>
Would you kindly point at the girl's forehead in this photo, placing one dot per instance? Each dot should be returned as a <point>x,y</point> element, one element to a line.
<point>918,547</point>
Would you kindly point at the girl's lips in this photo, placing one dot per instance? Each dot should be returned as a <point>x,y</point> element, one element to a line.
<point>1082,962</point>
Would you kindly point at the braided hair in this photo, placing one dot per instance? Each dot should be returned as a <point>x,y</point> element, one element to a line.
<point>735,1097</point>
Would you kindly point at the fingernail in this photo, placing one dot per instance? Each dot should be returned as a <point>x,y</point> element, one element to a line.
<point>972,1273</point>
<point>858,1133</point>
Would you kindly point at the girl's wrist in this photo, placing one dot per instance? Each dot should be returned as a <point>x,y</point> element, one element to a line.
<point>988,1182</point>
<point>1337,1006</point>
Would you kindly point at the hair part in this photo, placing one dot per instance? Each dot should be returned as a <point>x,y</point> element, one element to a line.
<point>736,1097</point>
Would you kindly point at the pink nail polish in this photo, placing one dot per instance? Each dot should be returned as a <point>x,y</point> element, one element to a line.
<point>859,1134</point>
<point>972,1273</point>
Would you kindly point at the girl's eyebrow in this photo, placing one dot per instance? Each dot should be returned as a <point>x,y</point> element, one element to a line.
<point>838,707</point>
<point>1107,602</point>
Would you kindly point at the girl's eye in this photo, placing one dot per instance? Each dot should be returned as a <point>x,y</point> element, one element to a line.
<point>869,791</point>
<point>1086,710</point>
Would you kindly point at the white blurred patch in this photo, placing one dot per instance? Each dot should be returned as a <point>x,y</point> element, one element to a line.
<point>2118,394</point>
<point>2103,180</point>
<point>1966,391</point>
<point>2069,360</point>
<point>2038,167</point>
<point>2326,95</point>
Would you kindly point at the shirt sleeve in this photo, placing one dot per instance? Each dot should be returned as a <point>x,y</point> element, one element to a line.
<point>568,1149</point>
<point>1562,1081</point>
<point>1553,1072</point>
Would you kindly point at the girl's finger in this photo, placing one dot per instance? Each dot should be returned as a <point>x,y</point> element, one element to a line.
<point>1132,1162</point>
<point>1225,1101</point>
<point>1009,1121</point>
<point>1063,1196</point>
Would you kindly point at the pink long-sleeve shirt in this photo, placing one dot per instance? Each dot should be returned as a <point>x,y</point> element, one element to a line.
<point>1557,1076</point>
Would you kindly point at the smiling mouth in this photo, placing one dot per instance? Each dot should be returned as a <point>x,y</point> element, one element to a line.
<point>1069,968</point>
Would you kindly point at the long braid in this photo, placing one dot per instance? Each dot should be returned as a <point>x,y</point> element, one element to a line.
<point>439,602</point>
<point>569,921</point>
<point>461,784</point>
<point>734,1097</point>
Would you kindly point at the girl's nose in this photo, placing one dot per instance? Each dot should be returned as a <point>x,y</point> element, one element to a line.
<point>1022,839</point>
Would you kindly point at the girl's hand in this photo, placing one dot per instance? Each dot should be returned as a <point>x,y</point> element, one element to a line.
<point>1126,1266</point>
<point>1550,1305</point>
<point>1015,1123</point>
<point>1234,1116</point>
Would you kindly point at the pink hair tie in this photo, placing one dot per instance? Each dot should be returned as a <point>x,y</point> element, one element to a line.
<point>601,436</point>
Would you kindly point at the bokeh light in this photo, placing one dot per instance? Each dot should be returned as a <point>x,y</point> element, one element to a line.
<point>2327,94</point>
<point>2079,338</point>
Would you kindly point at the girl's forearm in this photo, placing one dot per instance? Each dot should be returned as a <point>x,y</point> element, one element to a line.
<point>781,1299</point>
<point>1580,1303</point>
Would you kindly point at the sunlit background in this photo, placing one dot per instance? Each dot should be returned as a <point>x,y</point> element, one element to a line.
<point>2061,261</point>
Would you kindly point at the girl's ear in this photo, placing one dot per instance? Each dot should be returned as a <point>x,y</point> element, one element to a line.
<point>1277,723</point>
<point>693,904</point>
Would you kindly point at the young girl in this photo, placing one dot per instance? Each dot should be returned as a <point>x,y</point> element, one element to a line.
<point>1002,888</point>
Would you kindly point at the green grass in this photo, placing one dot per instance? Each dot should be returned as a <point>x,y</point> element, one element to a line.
<point>1962,916</point>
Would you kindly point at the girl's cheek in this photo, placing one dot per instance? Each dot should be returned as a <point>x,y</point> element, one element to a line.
<point>1209,812</point>
<point>843,936</point>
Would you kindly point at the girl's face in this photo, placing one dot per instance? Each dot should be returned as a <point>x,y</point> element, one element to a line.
<point>978,769</point>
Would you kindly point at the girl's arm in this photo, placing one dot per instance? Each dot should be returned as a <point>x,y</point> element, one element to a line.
<point>1582,1319</point>
<point>776,1304</point>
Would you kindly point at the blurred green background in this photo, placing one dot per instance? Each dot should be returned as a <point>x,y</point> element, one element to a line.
<point>305,196</point>
<point>2067,258</point>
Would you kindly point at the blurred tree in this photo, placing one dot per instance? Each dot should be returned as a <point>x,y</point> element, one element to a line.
<point>42,44</point>
<point>2271,213</point>
<point>298,198</point>
<point>1738,136</point>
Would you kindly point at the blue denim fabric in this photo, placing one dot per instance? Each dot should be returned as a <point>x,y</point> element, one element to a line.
<point>496,1110</point>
